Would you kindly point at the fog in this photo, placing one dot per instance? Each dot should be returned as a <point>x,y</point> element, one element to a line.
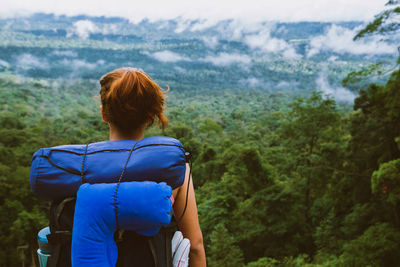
<point>167,56</point>
<point>226,59</point>
<point>251,10</point>
<point>339,93</point>
<point>340,40</point>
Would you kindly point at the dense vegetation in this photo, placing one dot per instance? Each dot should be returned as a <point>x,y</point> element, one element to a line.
<point>280,180</point>
<point>312,183</point>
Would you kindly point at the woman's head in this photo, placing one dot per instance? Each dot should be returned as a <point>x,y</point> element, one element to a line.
<point>131,100</point>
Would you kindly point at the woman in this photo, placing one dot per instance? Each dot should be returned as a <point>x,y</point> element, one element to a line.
<point>131,102</point>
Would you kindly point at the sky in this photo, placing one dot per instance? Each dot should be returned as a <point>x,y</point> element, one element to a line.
<point>212,10</point>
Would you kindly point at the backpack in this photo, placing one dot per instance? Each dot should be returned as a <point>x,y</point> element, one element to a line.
<point>133,249</point>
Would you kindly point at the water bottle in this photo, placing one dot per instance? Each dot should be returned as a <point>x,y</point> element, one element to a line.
<point>44,250</point>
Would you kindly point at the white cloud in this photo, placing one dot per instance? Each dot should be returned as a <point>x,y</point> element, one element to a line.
<point>264,42</point>
<point>210,41</point>
<point>82,64</point>
<point>339,93</point>
<point>287,85</point>
<point>289,10</point>
<point>257,35</point>
<point>78,66</point>
<point>65,53</point>
<point>340,40</point>
<point>332,58</point>
<point>225,59</point>
<point>83,28</point>
<point>238,28</point>
<point>182,25</point>
<point>163,25</point>
<point>4,63</point>
<point>110,28</point>
<point>203,24</point>
<point>26,61</point>
<point>179,69</point>
<point>167,56</point>
<point>251,81</point>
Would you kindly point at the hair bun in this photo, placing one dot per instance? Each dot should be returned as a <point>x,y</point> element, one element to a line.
<point>131,99</point>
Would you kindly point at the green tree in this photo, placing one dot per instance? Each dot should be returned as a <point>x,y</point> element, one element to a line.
<point>386,183</point>
<point>222,249</point>
<point>384,23</point>
<point>379,245</point>
<point>312,137</point>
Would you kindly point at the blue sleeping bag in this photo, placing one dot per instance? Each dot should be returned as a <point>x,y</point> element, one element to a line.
<point>142,207</point>
<point>57,172</point>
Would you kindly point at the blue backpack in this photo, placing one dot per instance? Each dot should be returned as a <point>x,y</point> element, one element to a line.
<point>57,173</point>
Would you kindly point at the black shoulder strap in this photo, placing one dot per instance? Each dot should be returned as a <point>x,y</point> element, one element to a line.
<point>150,242</point>
<point>60,237</point>
<point>188,157</point>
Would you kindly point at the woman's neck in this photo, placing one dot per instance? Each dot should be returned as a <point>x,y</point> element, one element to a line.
<point>115,134</point>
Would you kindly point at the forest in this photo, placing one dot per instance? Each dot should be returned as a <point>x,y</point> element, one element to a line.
<point>280,180</point>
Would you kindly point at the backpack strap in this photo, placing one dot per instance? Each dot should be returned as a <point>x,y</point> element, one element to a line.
<point>83,180</point>
<point>188,158</point>
<point>150,242</point>
<point>60,236</point>
<point>169,232</point>
<point>59,210</point>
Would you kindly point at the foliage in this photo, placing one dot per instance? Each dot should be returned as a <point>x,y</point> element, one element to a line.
<point>386,181</point>
<point>385,22</point>
<point>223,251</point>
<point>379,245</point>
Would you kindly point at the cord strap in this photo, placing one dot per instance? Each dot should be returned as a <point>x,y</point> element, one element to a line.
<point>83,180</point>
<point>119,181</point>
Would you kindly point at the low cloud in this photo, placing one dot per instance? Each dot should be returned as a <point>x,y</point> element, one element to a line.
<point>340,40</point>
<point>179,69</point>
<point>225,59</point>
<point>339,93</point>
<point>111,29</point>
<point>251,81</point>
<point>264,42</point>
<point>27,61</point>
<point>210,41</point>
<point>163,24</point>
<point>65,53</point>
<point>287,85</point>
<point>78,66</point>
<point>257,36</point>
<point>4,63</point>
<point>292,10</point>
<point>203,24</point>
<point>182,25</point>
<point>82,64</point>
<point>167,56</point>
<point>83,29</point>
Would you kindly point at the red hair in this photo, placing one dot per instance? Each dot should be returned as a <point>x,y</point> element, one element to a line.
<point>131,99</point>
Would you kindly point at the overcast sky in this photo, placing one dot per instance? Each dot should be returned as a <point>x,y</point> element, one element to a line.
<point>281,10</point>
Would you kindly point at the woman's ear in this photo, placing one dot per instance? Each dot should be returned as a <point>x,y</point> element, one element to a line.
<point>102,114</point>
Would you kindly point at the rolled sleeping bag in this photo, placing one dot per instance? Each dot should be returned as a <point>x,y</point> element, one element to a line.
<point>57,172</point>
<point>142,207</point>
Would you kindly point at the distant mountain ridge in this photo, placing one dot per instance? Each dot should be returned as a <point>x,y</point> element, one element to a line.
<point>190,54</point>
<point>46,23</point>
